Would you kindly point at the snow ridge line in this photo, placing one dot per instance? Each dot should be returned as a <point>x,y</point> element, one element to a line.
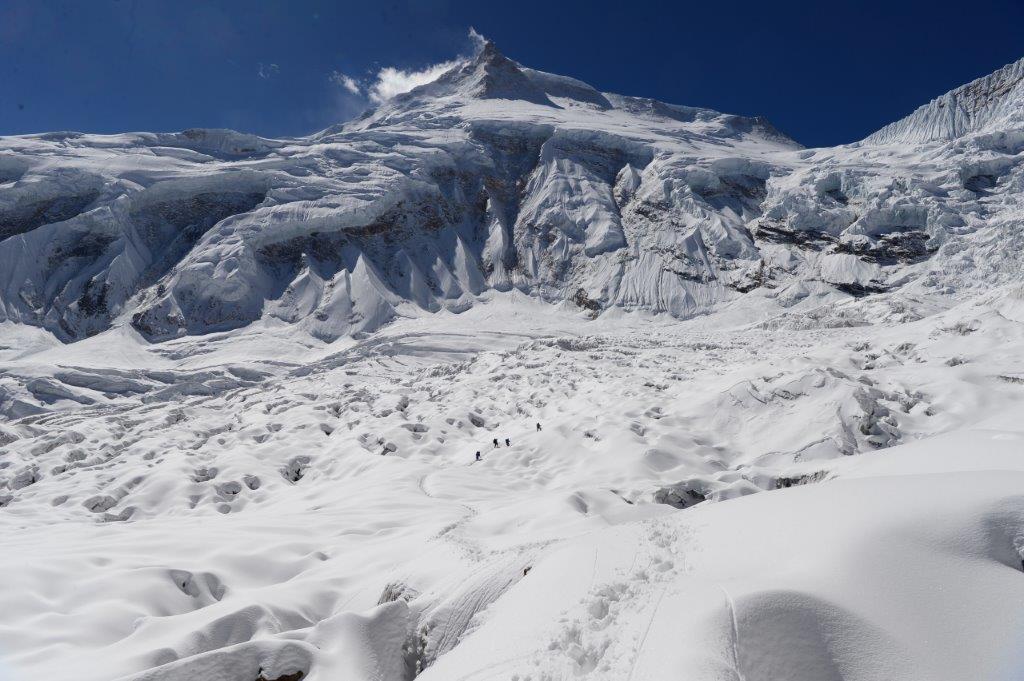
<point>735,633</point>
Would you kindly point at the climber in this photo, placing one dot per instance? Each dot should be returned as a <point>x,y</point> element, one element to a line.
<point>538,427</point>
<point>495,443</point>
<point>478,456</point>
<point>507,443</point>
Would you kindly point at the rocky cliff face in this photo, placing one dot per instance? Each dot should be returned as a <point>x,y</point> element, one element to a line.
<point>500,177</point>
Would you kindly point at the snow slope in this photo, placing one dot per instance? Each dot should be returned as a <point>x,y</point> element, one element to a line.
<point>762,403</point>
<point>990,103</point>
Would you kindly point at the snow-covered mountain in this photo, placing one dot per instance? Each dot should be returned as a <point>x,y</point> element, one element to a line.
<point>255,394</point>
<point>495,177</point>
<point>492,177</point>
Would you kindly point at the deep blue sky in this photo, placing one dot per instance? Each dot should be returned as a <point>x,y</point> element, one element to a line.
<point>824,72</point>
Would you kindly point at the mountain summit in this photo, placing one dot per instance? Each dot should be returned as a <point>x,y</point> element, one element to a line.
<point>492,75</point>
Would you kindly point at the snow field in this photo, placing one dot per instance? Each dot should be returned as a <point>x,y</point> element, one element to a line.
<point>234,513</point>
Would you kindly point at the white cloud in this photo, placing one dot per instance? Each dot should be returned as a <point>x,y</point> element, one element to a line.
<point>391,81</point>
<point>347,82</point>
<point>477,39</point>
<point>268,71</point>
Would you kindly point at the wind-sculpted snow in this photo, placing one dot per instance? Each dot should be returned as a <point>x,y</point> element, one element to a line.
<point>510,378</point>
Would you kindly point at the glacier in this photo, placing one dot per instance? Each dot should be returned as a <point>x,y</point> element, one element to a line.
<point>493,177</point>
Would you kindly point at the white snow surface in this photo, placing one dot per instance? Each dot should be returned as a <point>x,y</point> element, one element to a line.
<point>764,404</point>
